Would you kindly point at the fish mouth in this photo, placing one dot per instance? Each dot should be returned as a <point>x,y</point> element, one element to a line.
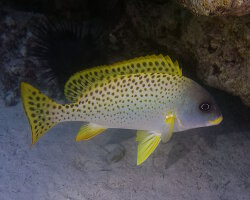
<point>216,121</point>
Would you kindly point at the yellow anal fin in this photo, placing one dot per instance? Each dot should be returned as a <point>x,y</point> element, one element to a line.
<point>89,131</point>
<point>169,121</point>
<point>147,143</point>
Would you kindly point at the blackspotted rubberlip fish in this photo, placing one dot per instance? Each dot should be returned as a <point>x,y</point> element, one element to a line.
<point>148,94</point>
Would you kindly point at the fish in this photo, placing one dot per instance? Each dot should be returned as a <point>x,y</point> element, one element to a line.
<point>148,94</point>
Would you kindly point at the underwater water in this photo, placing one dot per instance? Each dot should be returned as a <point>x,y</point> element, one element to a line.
<point>204,163</point>
<point>207,163</point>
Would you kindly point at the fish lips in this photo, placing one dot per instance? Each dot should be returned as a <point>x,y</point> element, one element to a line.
<point>216,121</point>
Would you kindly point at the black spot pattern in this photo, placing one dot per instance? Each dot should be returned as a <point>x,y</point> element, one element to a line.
<point>130,98</point>
<point>78,83</point>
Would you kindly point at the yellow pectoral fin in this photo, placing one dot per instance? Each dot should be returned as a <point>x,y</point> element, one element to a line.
<point>89,131</point>
<point>148,141</point>
<point>170,129</point>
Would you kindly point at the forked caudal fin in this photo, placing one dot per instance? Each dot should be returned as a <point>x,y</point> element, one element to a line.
<point>42,112</point>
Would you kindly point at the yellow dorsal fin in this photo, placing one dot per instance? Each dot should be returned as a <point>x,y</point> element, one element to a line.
<point>147,143</point>
<point>89,131</point>
<point>173,68</point>
<point>78,82</point>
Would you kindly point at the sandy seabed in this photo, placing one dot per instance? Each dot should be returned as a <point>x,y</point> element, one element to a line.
<point>206,163</point>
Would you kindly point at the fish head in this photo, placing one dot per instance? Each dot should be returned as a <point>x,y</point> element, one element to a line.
<point>197,108</point>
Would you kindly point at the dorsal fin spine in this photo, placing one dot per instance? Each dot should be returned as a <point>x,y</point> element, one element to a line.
<point>80,80</point>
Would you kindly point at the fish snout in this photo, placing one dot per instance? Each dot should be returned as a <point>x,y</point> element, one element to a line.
<point>216,121</point>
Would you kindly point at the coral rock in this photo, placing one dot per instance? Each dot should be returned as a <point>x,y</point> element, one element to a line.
<point>217,48</point>
<point>217,8</point>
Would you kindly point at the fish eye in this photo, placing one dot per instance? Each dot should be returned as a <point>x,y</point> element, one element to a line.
<point>205,107</point>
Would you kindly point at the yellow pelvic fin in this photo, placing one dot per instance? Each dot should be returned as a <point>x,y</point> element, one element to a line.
<point>39,110</point>
<point>169,121</point>
<point>81,81</point>
<point>147,143</point>
<point>89,131</point>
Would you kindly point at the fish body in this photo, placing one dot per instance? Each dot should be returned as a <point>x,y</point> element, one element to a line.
<point>154,99</point>
<point>137,101</point>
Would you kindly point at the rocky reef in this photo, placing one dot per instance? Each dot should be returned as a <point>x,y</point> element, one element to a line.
<point>218,48</point>
<point>212,41</point>
<point>217,7</point>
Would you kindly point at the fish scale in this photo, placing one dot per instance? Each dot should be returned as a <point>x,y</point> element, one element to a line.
<point>148,94</point>
<point>77,83</point>
<point>129,100</point>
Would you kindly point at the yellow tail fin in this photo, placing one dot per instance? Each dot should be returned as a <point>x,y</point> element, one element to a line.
<point>40,110</point>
